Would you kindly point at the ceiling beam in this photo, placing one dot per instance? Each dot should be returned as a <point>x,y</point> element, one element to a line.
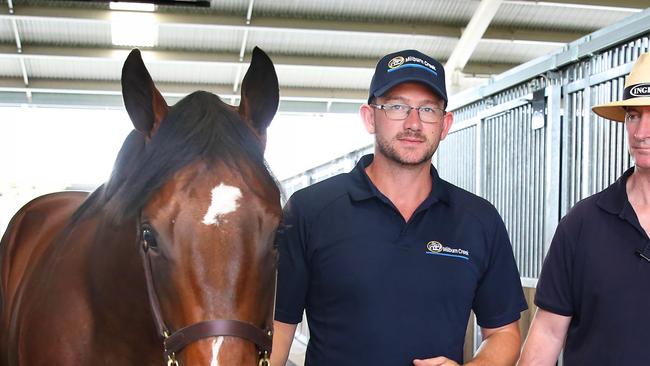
<point>119,55</point>
<point>173,90</point>
<point>622,5</point>
<point>39,85</point>
<point>519,35</point>
<point>265,24</point>
<point>19,47</point>
<point>476,27</point>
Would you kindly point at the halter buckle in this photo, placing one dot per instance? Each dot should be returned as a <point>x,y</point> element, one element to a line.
<point>171,360</point>
<point>264,360</point>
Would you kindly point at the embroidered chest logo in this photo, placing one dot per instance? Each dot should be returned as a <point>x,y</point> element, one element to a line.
<point>436,248</point>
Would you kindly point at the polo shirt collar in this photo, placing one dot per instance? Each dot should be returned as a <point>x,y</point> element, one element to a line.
<point>614,199</point>
<point>363,188</point>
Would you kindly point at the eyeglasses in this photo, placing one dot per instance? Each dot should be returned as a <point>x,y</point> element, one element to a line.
<point>399,112</point>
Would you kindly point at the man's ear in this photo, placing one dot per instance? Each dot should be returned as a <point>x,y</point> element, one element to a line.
<point>447,121</point>
<point>368,116</point>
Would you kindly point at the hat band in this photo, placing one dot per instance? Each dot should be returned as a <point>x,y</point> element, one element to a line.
<point>636,91</point>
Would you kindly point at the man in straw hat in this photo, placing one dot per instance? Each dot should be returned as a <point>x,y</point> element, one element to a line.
<point>594,289</point>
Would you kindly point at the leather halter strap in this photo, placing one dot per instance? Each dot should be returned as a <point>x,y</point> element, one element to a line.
<point>176,341</point>
<point>219,327</point>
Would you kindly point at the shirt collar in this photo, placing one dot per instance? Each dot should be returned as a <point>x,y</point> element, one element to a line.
<point>614,198</point>
<point>363,188</point>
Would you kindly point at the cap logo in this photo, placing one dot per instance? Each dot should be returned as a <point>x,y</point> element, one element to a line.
<point>636,91</point>
<point>395,62</point>
<point>399,63</point>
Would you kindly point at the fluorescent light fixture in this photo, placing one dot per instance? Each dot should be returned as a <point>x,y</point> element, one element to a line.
<point>525,42</point>
<point>128,6</point>
<point>134,29</point>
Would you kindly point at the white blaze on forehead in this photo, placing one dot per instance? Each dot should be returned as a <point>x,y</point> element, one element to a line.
<point>216,346</point>
<point>224,200</point>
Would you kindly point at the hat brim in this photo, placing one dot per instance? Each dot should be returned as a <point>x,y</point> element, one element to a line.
<point>415,79</point>
<point>615,111</point>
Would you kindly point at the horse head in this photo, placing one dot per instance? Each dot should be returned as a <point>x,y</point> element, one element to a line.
<point>206,207</point>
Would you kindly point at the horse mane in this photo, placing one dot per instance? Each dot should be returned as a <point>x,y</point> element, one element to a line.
<point>200,126</point>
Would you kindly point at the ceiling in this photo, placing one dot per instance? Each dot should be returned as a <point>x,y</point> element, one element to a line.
<point>64,53</point>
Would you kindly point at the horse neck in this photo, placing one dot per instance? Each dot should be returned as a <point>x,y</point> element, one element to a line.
<point>118,277</point>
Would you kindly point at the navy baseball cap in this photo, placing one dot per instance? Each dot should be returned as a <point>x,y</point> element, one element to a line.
<point>407,65</point>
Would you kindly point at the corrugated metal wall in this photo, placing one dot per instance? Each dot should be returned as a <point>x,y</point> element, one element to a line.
<point>513,177</point>
<point>462,144</point>
<point>340,165</point>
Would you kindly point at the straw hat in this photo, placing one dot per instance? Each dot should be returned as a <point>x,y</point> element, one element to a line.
<point>636,92</point>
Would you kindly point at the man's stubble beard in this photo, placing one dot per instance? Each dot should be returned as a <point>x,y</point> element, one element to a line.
<point>388,150</point>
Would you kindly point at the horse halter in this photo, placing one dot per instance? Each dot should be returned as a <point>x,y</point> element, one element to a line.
<point>176,341</point>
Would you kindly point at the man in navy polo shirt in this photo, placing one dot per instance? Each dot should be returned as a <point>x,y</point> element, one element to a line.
<point>389,259</point>
<point>593,292</point>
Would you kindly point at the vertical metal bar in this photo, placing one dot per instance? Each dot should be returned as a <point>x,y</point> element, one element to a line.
<point>606,146</point>
<point>578,148</point>
<point>522,209</point>
<point>529,182</point>
<point>478,163</point>
<point>585,161</point>
<point>536,186</point>
<point>552,158</point>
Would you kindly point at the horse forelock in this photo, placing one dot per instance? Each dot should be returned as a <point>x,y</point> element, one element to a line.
<point>199,127</point>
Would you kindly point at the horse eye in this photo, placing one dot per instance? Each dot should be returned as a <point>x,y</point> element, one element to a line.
<point>149,238</point>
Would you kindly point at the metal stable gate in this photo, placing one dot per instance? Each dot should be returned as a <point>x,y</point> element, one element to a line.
<point>507,146</point>
<point>538,148</point>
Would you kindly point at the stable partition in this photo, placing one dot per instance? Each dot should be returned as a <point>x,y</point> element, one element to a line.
<point>538,149</point>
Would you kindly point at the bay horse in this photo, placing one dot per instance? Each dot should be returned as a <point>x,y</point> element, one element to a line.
<point>172,259</point>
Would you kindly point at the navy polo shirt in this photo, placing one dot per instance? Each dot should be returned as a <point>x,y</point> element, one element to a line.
<point>381,291</point>
<point>593,274</point>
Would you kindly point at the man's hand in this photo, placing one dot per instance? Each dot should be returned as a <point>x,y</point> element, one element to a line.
<point>436,361</point>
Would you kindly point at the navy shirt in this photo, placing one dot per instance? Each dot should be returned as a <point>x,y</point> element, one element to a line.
<point>593,274</point>
<point>381,291</point>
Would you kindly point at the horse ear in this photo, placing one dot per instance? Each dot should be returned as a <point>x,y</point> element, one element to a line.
<point>259,93</point>
<point>144,103</point>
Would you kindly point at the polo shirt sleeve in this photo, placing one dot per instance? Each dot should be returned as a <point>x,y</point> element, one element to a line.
<point>554,286</point>
<point>499,297</point>
<point>293,273</point>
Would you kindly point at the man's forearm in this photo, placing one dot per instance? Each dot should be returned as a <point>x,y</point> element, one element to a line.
<point>282,339</point>
<point>539,351</point>
<point>500,347</point>
<point>545,339</point>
